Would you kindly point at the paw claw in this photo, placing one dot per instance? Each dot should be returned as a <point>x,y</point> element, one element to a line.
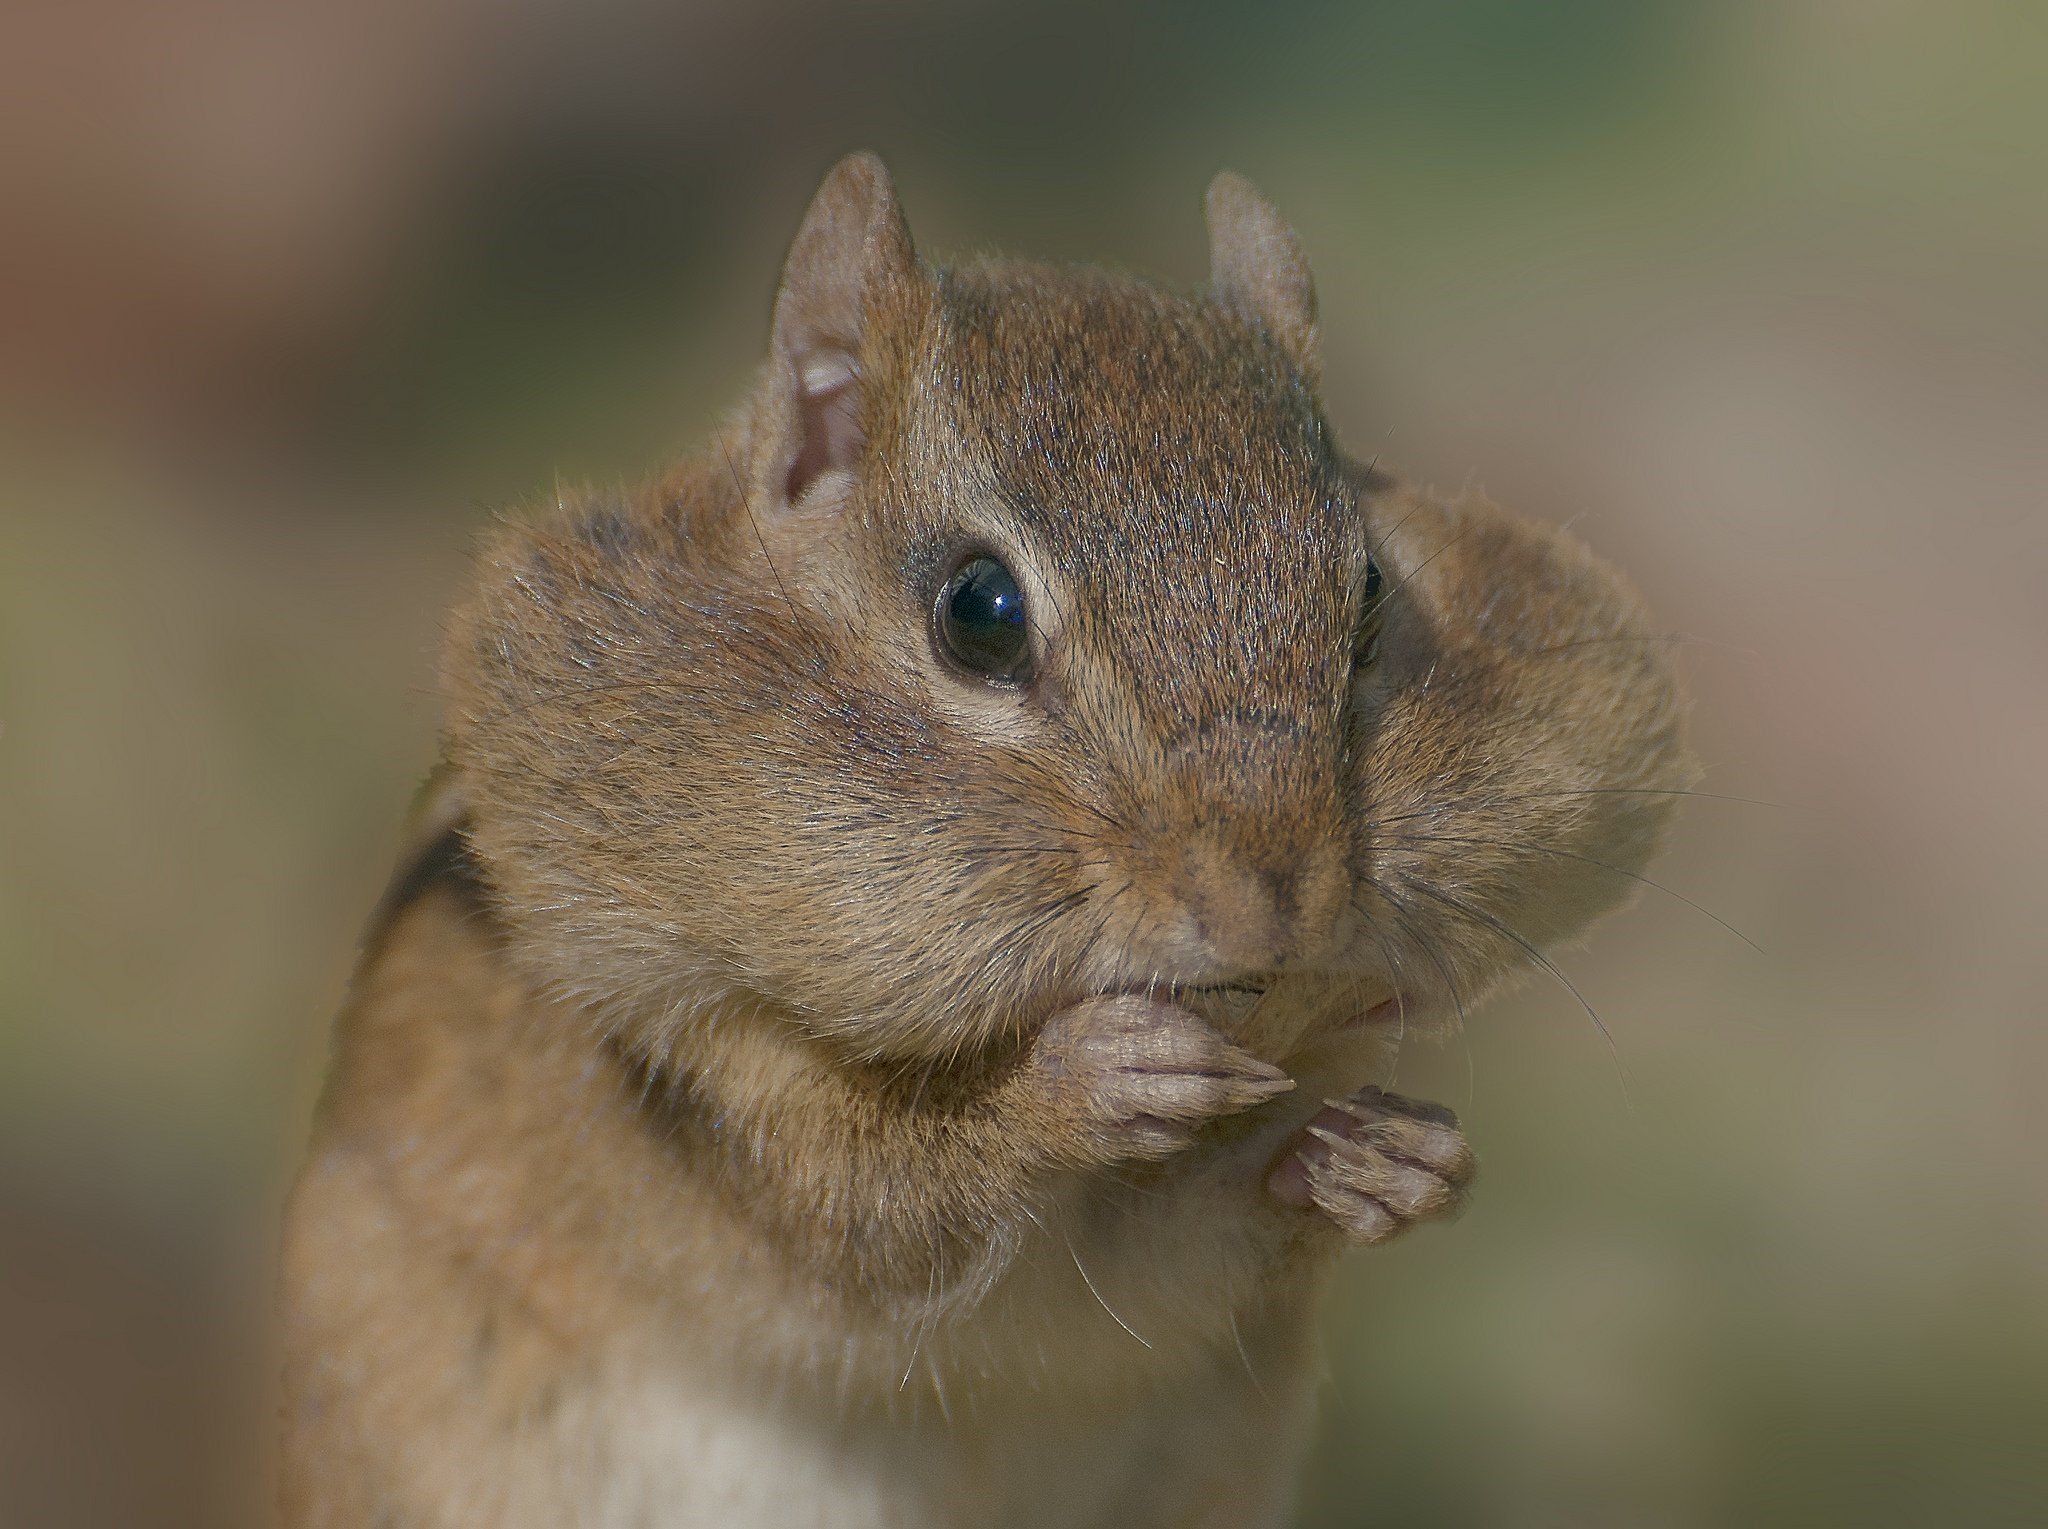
<point>1146,1075</point>
<point>1376,1163</point>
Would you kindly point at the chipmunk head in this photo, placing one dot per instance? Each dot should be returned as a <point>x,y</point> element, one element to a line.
<point>1027,637</point>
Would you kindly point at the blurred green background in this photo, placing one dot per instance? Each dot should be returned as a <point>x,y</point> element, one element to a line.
<point>1753,293</point>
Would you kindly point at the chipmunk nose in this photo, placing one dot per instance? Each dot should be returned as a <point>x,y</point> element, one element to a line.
<point>1256,908</point>
<point>1247,843</point>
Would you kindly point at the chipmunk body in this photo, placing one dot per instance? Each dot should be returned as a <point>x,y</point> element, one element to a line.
<point>850,1043</point>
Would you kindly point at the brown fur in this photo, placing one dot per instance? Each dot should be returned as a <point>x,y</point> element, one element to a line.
<point>836,1091</point>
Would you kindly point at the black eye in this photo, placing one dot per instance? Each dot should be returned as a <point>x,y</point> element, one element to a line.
<point>980,621</point>
<point>1365,646</point>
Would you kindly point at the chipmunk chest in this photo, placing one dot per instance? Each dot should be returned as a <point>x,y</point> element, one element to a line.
<point>671,1450</point>
<point>679,1451</point>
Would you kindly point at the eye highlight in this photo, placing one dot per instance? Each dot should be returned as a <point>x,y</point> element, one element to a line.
<point>978,621</point>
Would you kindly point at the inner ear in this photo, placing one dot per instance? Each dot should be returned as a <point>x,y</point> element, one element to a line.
<point>851,257</point>
<point>827,421</point>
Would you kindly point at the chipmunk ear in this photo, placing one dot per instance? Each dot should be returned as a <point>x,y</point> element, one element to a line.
<point>1256,267</point>
<point>851,250</point>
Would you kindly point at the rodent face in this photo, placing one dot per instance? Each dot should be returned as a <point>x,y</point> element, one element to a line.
<point>722,748</point>
<point>1195,570</point>
<point>1199,785</point>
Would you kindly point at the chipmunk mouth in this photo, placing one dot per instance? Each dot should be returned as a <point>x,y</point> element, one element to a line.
<point>1238,989</point>
<point>1243,987</point>
<point>1389,1010</point>
<point>1227,1002</point>
<point>1240,995</point>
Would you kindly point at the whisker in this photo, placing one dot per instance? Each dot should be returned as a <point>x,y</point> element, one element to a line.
<point>1467,803</point>
<point>1486,920</point>
<point>1411,575</point>
<point>1676,639</point>
<point>1464,1031</point>
<point>1392,531</point>
<point>1531,847</point>
<point>1402,916</point>
<point>746,504</point>
<point>1252,1375</point>
<point>1075,1255</point>
<point>931,1367</point>
<point>1394,974</point>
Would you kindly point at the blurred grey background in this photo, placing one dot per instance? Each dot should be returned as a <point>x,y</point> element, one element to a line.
<point>1751,293</point>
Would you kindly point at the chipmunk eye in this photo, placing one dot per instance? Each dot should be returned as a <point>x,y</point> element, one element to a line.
<point>979,621</point>
<point>1365,645</point>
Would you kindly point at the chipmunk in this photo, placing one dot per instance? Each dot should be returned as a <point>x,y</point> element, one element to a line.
<point>871,1028</point>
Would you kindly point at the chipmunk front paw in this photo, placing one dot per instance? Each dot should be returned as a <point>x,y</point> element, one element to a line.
<point>1142,1075</point>
<point>1375,1164</point>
